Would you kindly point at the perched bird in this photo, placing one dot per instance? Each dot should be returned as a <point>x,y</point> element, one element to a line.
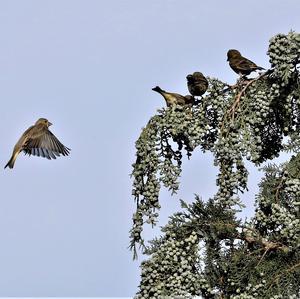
<point>240,64</point>
<point>197,84</point>
<point>38,140</point>
<point>174,98</point>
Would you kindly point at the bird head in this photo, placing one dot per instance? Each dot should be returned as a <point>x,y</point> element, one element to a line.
<point>189,77</point>
<point>232,53</point>
<point>198,74</point>
<point>44,122</point>
<point>157,89</point>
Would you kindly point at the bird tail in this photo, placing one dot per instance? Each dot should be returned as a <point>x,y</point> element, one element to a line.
<point>157,89</point>
<point>260,68</point>
<point>11,162</point>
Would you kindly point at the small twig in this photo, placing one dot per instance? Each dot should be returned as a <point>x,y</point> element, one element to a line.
<point>230,87</point>
<point>267,245</point>
<point>262,256</point>
<point>278,188</point>
<point>270,246</point>
<point>239,95</point>
<point>283,273</point>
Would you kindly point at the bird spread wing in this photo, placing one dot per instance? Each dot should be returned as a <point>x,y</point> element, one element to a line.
<point>45,145</point>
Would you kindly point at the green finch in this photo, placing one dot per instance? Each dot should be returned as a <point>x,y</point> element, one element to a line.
<point>240,64</point>
<point>174,98</point>
<point>39,141</point>
<point>197,84</point>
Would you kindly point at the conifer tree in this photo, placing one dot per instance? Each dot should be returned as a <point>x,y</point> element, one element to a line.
<point>204,249</point>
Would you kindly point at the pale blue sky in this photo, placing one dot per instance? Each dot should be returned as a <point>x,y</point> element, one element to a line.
<point>89,66</point>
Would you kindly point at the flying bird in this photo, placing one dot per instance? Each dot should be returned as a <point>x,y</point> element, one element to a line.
<point>174,98</point>
<point>39,141</point>
<point>197,84</point>
<point>240,64</point>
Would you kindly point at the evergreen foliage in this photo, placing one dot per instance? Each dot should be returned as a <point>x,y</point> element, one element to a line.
<point>205,250</point>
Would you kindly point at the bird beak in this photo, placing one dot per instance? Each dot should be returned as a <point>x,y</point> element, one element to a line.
<point>49,123</point>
